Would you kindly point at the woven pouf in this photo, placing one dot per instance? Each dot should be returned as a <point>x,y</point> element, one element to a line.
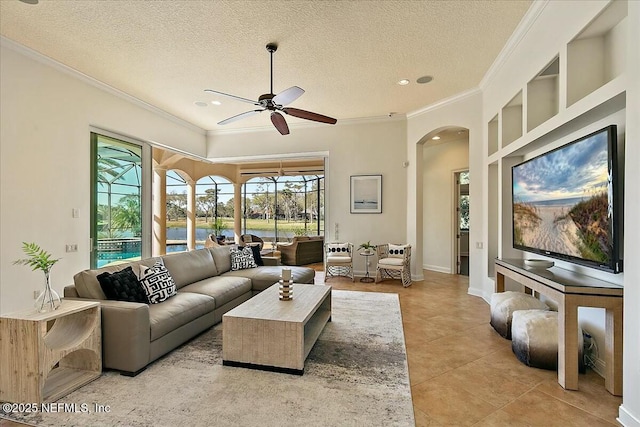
<point>534,339</point>
<point>503,304</point>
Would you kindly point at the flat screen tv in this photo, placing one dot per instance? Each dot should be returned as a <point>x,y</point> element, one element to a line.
<point>566,202</point>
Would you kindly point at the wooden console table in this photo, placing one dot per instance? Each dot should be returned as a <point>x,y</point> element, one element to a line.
<point>45,356</point>
<point>571,290</point>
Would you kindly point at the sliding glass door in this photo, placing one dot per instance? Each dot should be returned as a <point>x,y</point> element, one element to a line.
<point>118,200</point>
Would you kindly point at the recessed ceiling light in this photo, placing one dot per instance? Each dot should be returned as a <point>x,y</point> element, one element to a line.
<point>216,102</point>
<point>30,1</point>
<point>201,104</point>
<point>436,138</point>
<point>403,82</point>
<point>424,79</point>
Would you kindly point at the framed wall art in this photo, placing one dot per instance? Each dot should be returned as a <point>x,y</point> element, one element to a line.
<point>366,194</point>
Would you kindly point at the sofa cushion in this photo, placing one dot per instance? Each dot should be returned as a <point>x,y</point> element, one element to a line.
<point>178,311</point>
<point>87,284</point>
<point>242,259</point>
<point>122,285</point>
<point>189,267</point>
<point>263,277</point>
<point>222,288</point>
<point>157,282</point>
<point>222,258</point>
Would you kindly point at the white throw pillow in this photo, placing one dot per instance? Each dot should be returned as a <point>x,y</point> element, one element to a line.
<point>242,259</point>
<point>338,249</point>
<point>397,251</point>
<point>157,282</point>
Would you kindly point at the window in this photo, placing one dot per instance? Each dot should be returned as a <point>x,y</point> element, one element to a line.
<point>118,190</point>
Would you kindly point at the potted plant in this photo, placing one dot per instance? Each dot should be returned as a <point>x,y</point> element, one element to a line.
<point>39,259</point>
<point>367,246</point>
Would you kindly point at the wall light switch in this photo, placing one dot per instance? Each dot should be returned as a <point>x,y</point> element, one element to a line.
<point>479,245</point>
<point>71,248</point>
<point>75,213</point>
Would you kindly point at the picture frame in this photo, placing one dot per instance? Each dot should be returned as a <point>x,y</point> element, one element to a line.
<point>366,194</point>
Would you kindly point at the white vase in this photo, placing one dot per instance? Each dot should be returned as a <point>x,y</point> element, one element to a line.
<point>48,300</point>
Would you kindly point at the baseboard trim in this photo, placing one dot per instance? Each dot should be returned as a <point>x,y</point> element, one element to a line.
<point>626,418</point>
<point>599,367</point>
<point>477,292</point>
<point>437,268</point>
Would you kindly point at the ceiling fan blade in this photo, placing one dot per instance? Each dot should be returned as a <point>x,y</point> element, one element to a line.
<point>280,123</point>
<point>240,116</point>
<point>237,98</point>
<point>308,115</point>
<point>287,96</point>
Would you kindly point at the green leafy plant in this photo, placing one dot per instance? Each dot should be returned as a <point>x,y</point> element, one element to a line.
<point>37,258</point>
<point>367,246</point>
<point>300,231</point>
<point>218,226</point>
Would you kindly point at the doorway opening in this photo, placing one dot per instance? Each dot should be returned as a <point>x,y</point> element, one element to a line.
<point>461,215</point>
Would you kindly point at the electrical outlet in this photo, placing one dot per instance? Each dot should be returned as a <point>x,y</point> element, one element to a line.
<point>75,213</point>
<point>71,248</point>
<point>35,294</point>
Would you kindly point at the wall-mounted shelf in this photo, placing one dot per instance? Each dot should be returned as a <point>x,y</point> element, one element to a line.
<point>543,95</point>
<point>582,84</point>
<point>512,120</point>
<point>597,55</point>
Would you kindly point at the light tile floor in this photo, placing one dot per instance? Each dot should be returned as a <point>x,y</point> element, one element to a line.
<point>462,373</point>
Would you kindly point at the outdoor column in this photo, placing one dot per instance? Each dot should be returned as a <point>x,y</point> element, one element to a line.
<point>191,215</point>
<point>237,211</point>
<point>159,241</point>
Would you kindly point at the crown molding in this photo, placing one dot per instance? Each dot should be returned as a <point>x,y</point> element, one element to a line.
<point>43,59</point>
<point>452,99</point>
<point>516,37</point>
<point>268,157</point>
<point>310,124</point>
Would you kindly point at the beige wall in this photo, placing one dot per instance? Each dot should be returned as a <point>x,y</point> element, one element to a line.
<point>439,163</point>
<point>45,116</point>
<point>358,147</point>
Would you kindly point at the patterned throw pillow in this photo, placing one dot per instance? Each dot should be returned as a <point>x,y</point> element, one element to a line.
<point>122,285</point>
<point>397,251</point>
<point>157,282</point>
<point>242,258</point>
<point>338,249</point>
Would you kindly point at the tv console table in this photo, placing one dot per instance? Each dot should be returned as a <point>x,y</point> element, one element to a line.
<point>571,290</point>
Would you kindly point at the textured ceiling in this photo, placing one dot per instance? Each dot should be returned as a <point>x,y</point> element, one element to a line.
<point>347,55</point>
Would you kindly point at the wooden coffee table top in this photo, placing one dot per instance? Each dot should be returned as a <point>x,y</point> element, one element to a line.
<point>267,306</point>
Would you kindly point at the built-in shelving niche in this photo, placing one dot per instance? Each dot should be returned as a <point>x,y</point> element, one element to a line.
<point>512,120</point>
<point>542,95</point>
<point>493,135</point>
<point>597,55</point>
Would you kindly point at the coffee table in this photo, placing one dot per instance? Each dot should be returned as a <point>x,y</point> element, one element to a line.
<point>269,334</point>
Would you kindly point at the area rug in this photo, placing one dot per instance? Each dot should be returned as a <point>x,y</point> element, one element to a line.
<point>355,375</point>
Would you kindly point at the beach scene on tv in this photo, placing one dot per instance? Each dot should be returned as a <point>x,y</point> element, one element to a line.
<point>561,201</point>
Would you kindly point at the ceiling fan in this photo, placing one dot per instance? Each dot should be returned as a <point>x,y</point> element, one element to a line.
<point>275,104</point>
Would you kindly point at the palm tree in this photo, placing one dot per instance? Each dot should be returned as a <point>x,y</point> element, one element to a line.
<point>126,215</point>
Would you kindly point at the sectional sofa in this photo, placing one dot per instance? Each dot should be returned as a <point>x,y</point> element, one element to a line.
<point>136,334</point>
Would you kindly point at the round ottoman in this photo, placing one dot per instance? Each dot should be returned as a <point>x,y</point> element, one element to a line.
<point>503,304</point>
<point>534,339</point>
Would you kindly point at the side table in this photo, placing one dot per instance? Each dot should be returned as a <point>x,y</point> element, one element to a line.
<point>367,278</point>
<point>45,356</point>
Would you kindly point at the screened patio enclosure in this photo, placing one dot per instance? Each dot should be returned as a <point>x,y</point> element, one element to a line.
<point>116,205</point>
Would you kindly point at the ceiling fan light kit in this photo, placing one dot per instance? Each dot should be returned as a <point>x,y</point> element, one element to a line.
<point>275,104</point>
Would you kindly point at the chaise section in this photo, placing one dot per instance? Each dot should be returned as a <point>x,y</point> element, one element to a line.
<point>263,277</point>
<point>222,289</point>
